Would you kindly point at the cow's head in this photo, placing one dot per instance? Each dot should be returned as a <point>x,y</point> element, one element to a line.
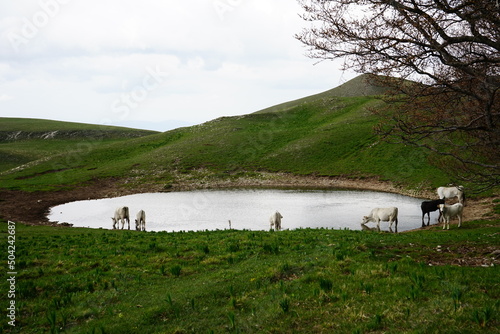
<point>441,207</point>
<point>365,219</point>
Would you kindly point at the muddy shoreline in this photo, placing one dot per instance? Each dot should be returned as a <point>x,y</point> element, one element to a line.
<point>33,207</point>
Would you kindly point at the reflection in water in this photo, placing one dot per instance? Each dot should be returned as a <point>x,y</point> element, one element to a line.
<point>244,209</point>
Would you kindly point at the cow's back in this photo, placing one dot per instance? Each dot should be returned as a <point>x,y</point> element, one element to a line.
<point>384,214</point>
<point>454,209</point>
<point>122,212</point>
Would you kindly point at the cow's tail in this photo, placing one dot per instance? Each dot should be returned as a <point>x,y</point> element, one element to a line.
<point>127,214</point>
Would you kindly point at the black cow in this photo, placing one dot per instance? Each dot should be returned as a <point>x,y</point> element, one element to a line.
<point>430,206</point>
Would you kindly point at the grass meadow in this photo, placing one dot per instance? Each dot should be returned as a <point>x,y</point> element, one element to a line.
<point>74,280</point>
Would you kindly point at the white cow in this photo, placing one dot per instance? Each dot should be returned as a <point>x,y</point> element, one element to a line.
<point>121,214</point>
<point>382,214</point>
<point>450,192</point>
<point>140,221</point>
<point>275,220</point>
<point>451,211</point>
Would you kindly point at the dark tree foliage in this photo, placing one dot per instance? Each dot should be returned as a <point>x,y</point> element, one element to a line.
<point>441,59</point>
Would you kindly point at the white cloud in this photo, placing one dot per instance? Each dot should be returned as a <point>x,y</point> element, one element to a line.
<point>5,97</point>
<point>85,60</point>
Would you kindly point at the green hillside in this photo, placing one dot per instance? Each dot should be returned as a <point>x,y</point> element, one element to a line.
<point>327,134</point>
<point>24,140</point>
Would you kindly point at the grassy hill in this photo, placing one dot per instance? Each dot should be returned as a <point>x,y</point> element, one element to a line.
<point>24,141</point>
<point>328,134</point>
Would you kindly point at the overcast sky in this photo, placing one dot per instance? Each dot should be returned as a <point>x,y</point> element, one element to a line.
<point>151,63</point>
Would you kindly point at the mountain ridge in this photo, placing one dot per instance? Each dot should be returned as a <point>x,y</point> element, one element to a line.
<point>362,85</point>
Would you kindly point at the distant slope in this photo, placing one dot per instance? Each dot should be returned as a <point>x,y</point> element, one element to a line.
<point>326,135</point>
<point>24,140</point>
<point>29,128</point>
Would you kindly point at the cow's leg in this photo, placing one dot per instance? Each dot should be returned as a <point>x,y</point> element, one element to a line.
<point>447,223</point>
<point>423,216</point>
<point>459,220</point>
<point>428,218</point>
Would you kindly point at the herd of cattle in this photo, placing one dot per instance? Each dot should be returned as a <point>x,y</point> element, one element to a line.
<point>446,212</point>
<point>122,214</point>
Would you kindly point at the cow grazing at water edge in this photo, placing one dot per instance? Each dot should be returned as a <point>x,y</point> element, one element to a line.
<point>275,220</point>
<point>450,192</point>
<point>140,221</point>
<point>382,214</point>
<point>430,206</point>
<point>123,215</point>
<point>451,211</point>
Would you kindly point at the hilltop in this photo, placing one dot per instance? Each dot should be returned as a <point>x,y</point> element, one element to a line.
<point>361,85</point>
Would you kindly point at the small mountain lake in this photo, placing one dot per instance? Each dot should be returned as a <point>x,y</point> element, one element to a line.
<point>245,208</point>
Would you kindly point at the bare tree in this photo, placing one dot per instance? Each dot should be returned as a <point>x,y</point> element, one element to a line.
<point>449,49</point>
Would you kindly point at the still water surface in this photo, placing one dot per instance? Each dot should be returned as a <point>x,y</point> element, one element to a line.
<point>246,209</point>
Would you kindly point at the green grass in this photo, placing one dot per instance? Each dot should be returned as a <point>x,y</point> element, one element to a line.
<point>74,280</point>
